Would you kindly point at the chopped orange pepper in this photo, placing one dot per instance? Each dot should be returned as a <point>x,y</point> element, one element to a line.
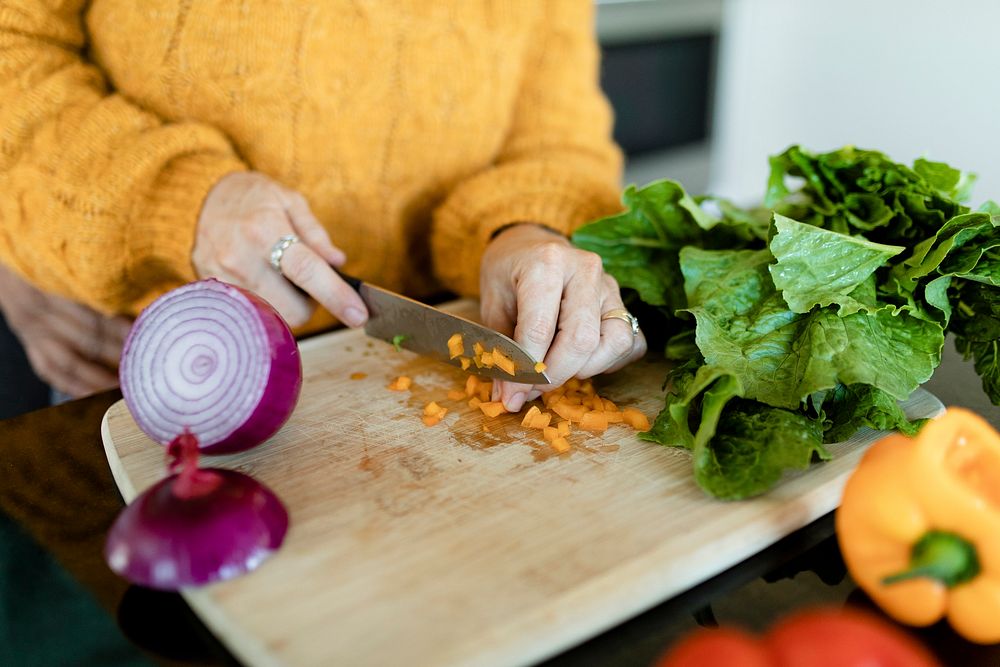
<point>402,383</point>
<point>492,409</point>
<point>433,408</point>
<point>560,444</point>
<point>595,420</point>
<point>503,362</point>
<point>456,395</point>
<point>540,367</point>
<point>563,428</point>
<point>430,420</point>
<point>456,348</point>
<point>614,416</point>
<point>530,414</point>
<point>636,419</point>
<point>550,433</point>
<point>541,421</point>
<point>465,363</point>
<point>474,402</point>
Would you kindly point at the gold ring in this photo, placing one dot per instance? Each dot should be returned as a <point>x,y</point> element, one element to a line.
<point>279,248</point>
<point>624,315</point>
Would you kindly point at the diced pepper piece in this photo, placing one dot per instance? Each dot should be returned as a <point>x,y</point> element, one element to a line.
<point>563,428</point>
<point>541,420</point>
<point>609,406</point>
<point>550,433</point>
<point>478,349</point>
<point>530,414</point>
<point>587,387</point>
<point>430,420</point>
<point>402,383</point>
<point>486,358</point>
<point>636,419</point>
<point>503,362</point>
<point>485,390</point>
<point>614,416</point>
<point>432,408</point>
<point>569,411</point>
<point>471,385</point>
<point>456,395</point>
<point>492,409</point>
<point>595,420</point>
<point>561,445</point>
<point>572,384</point>
<point>540,367</point>
<point>465,363</point>
<point>474,402</point>
<point>456,348</point>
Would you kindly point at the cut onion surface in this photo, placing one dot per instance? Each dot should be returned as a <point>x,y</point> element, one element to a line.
<point>197,526</point>
<point>214,359</point>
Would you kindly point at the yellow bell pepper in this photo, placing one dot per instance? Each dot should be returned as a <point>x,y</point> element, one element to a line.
<point>919,525</point>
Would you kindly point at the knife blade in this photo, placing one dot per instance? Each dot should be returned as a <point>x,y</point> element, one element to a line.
<point>425,330</point>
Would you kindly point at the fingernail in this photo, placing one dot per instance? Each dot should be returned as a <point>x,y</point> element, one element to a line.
<point>534,394</point>
<point>354,317</point>
<point>515,401</point>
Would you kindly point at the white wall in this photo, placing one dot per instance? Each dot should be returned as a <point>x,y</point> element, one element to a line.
<point>911,78</point>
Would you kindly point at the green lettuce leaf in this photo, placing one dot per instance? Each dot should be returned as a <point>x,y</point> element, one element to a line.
<point>848,408</point>
<point>781,357</point>
<point>739,448</point>
<point>817,267</point>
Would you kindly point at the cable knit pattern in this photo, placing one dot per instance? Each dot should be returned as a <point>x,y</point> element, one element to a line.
<point>415,129</point>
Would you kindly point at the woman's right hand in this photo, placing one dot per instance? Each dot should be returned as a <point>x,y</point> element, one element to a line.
<point>243,217</point>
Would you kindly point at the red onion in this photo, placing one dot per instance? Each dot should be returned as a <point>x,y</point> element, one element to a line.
<point>195,527</point>
<point>214,359</point>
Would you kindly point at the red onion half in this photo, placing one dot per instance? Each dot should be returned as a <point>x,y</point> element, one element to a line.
<point>197,526</point>
<point>214,359</point>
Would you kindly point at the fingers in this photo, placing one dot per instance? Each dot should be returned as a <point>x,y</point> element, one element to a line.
<point>538,297</point>
<point>291,304</point>
<point>617,344</point>
<point>64,369</point>
<point>309,228</point>
<point>579,321</point>
<point>304,267</point>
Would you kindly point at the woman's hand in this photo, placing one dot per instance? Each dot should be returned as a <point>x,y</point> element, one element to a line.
<point>243,217</point>
<point>71,347</point>
<point>550,296</point>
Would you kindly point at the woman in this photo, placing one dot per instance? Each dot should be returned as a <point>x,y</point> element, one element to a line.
<point>419,145</point>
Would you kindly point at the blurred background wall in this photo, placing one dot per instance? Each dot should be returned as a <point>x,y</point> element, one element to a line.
<point>705,90</point>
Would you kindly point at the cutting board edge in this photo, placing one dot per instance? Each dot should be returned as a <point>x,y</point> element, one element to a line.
<point>118,472</point>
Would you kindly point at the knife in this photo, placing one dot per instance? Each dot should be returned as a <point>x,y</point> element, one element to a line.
<point>425,330</point>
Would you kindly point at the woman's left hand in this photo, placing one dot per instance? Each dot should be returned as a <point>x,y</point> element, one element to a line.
<point>550,296</point>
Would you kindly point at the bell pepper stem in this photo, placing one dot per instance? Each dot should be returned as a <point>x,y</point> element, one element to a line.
<point>940,555</point>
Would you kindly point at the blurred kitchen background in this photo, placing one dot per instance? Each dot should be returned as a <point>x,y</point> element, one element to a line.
<point>705,90</point>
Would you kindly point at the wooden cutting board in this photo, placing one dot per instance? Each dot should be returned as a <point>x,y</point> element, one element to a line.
<point>450,546</point>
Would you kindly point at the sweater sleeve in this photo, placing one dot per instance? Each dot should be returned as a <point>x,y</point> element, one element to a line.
<point>99,199</point>
<point>558,166</point>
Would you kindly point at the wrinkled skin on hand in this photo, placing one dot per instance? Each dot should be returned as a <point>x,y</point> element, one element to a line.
<point>548,295</point>
<point>73,348</point>
<point>242,218</point>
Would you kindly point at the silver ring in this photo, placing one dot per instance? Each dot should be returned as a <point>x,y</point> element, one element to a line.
<point>624,315</point>
<point>279,248</point>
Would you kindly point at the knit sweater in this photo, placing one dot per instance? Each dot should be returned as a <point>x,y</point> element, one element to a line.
<point>414,128</point>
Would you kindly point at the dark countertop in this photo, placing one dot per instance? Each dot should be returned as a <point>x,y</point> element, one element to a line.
<point>58,598</point>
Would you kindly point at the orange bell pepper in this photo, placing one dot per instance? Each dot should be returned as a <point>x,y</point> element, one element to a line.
<point>919,525</point>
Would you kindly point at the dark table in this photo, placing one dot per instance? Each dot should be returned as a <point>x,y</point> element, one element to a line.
<point>59,603</point>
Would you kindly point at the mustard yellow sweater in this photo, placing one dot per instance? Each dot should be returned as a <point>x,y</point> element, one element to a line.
<point>415,128</point>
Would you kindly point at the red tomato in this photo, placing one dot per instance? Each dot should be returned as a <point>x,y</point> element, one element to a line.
<point>844,638</point>
<point>722,647</point>
<point>820,638</point>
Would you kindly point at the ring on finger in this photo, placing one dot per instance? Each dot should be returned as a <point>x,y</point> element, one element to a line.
<point>279,248</point>
<point>625,316</point>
